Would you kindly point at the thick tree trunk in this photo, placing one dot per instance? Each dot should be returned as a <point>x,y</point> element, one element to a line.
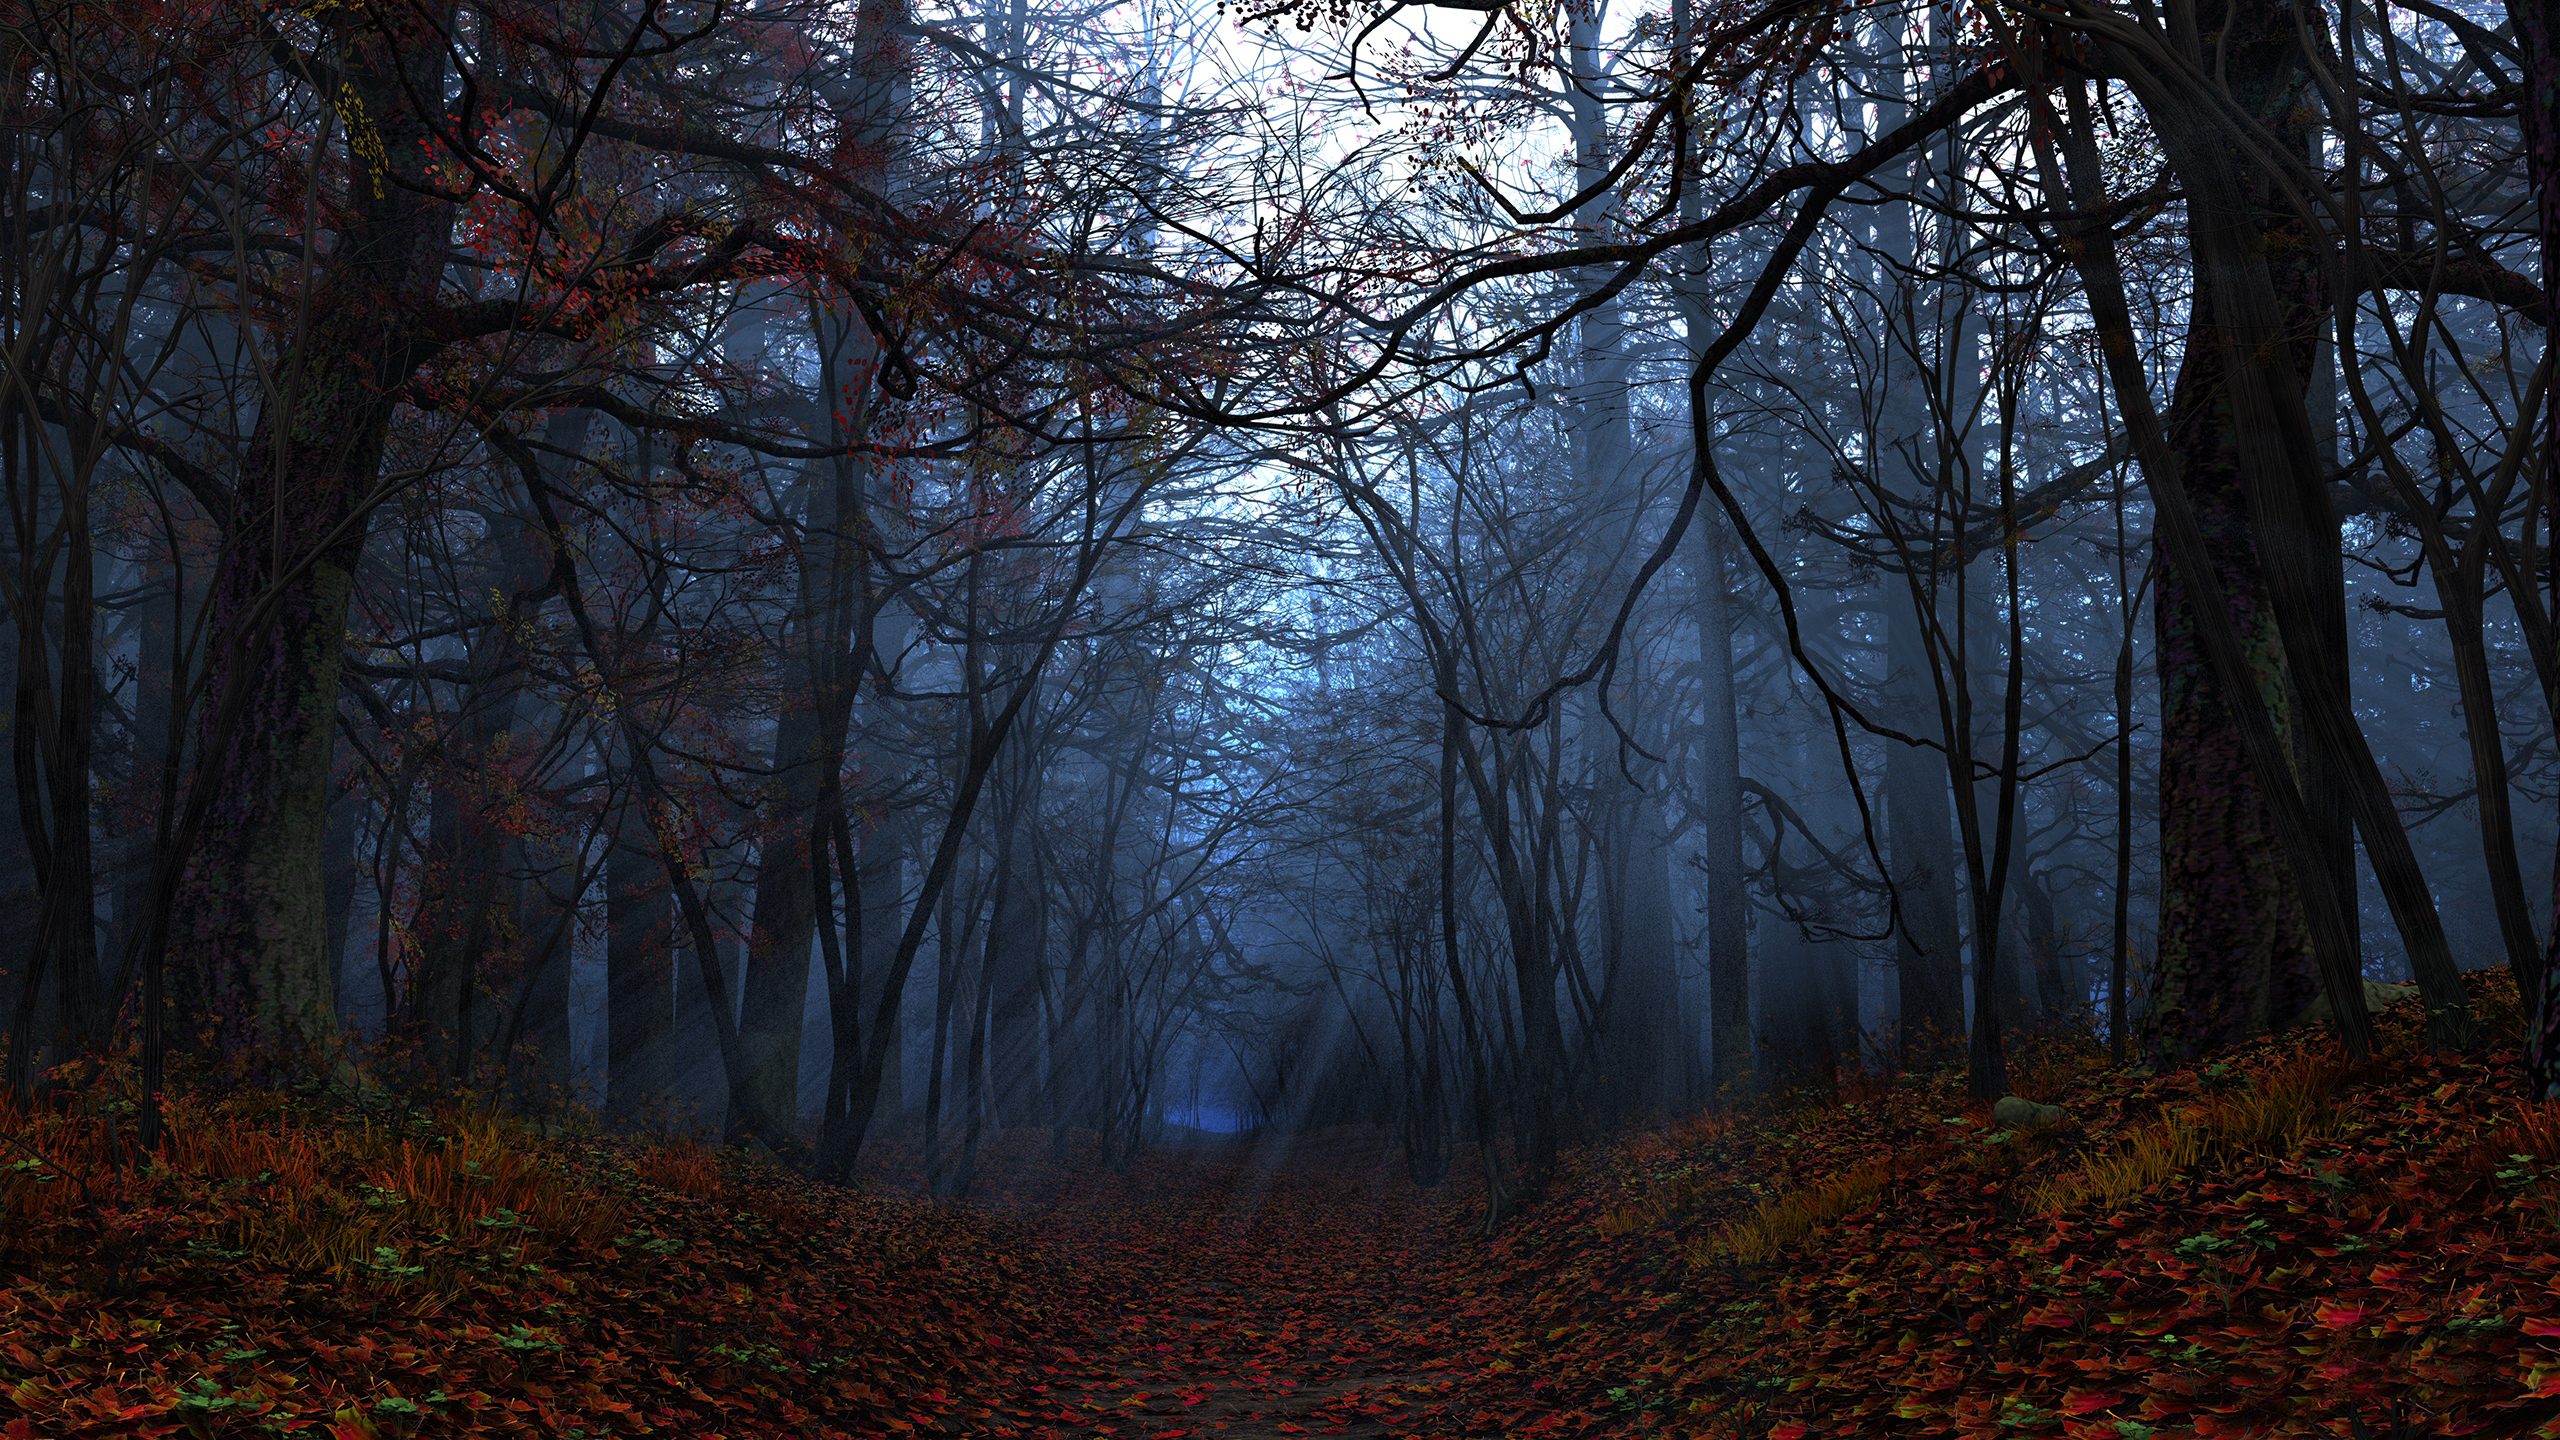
<point>701,1079</point>
<point>2235,958</point>
<point>955,1009</point>
<point>1524,891</point>
<point>548,1076</point>
<point>1640,1027</point>
<point>882,878</point>
<point>155,687</point>
<point>248,920</point>
<point>1017,949</point>
<point>56,1010</point>
<point>1808,1011</point>
<point>2185,538</point>
<point>1718,784</point>
<point>808,747</point>
<point>36,1010</point>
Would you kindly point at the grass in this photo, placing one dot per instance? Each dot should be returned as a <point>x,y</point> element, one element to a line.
<point>1792,1217</point>
<point>2275,1110</point>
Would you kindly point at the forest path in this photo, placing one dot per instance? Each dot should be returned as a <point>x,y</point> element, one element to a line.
<point>1244,1291</point>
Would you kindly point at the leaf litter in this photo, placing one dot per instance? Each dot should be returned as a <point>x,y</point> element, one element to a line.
<point>2272,1244</point>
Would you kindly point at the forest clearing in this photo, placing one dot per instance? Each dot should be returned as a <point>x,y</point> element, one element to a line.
<point>2278,1243</point>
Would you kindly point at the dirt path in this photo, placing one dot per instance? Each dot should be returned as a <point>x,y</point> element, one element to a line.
<point>1245,1292</point>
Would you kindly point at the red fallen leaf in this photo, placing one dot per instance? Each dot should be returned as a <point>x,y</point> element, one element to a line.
<point>2342,1316</point>
<point>1792,1430</point>
<point>2081,1402</point>
<point>2540,1325</point>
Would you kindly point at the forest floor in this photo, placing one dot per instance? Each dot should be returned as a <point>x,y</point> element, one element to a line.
<point>2273,1243</point>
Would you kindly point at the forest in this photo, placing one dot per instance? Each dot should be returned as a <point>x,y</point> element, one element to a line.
<point>1387,717</point>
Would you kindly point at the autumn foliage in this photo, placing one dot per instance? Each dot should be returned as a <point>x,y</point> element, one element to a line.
<point>2269,1244</point>
<point>281,1270</point>
<point>2275,1243</point>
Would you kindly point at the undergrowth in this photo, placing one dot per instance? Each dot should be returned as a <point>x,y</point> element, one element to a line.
<point>286,1267</point>
<point>2274,1242</point>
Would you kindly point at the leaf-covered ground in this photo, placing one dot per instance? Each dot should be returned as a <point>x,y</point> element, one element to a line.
<point>2274,1244</point>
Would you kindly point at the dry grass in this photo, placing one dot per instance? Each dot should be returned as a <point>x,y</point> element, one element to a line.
<point>366,1200</point>
<point>1666,1199</point>
<point>1662,1196</point>
<point>687,1167</point>
<point>1757,1238</point>
<point>2535,1131</point>
<point>2290,1102</point>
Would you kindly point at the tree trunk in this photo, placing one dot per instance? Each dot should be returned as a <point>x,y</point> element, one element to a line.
<point>338,886</point>
<point>786,915</point>
<point>2234,959</point>
<point>821,658</point>
<point>1017,949</point>
<point>2537,28</point>
<point>883,880</point>
<point>248,919</point>
<point>639,978</point>
<point>2040,940</point>
<point>1912,454</point>
<point>1719,787</point>
<point>547,1079</point>
<point>1642,1065</point>
<point>2185,537</point>
<point>1919,843</point>
<point>467,921</point>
